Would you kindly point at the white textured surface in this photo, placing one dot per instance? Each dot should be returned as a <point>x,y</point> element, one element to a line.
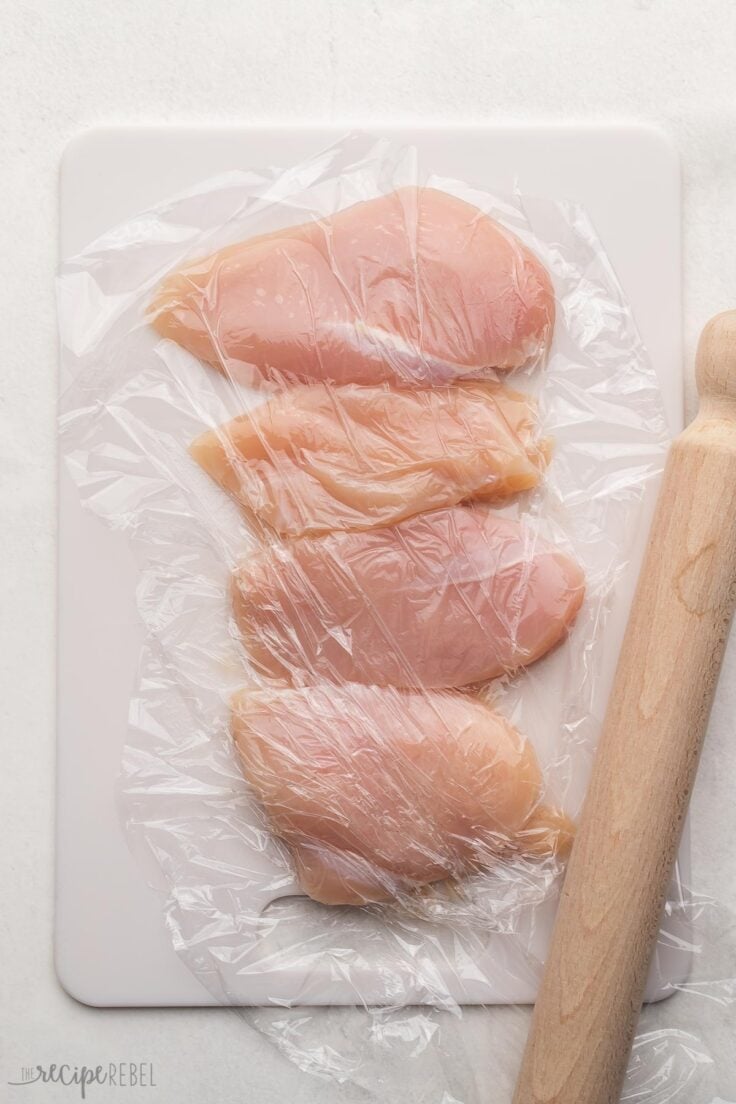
<point>65,66</point>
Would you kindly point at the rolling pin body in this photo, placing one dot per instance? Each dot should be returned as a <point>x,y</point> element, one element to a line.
<point>645,766</point>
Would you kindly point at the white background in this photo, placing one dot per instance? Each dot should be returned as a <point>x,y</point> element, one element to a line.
<point>68,64</point>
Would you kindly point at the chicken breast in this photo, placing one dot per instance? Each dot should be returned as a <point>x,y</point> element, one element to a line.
<point>414,287</point>
<point>378,792</point>
<point>319,458</point>
<point>445,599</point>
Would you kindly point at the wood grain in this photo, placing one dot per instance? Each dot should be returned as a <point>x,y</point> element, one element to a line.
<point>614,892</point>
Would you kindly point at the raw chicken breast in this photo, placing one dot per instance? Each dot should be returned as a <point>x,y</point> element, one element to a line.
<point>444,599</point>
<point>415,287</point>
<point>320,457</point>
<point>378,791</point>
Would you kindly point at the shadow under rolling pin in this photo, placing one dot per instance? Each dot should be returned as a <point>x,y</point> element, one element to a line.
<point>614,892</point>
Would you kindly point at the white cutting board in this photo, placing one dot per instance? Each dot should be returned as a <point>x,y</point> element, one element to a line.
<point>111,945</point>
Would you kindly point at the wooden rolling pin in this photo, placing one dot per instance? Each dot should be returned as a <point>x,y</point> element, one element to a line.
<point>620,867</point>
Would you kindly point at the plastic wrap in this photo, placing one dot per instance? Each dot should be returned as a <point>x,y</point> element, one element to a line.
<point>384,444</point>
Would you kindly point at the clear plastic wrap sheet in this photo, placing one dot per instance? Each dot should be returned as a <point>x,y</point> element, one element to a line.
<point>381,606</point>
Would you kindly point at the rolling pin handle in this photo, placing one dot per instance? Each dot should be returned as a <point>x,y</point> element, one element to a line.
<point>715,366</point>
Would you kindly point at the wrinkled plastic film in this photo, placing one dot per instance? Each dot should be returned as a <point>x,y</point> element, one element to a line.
<point>385,445</point>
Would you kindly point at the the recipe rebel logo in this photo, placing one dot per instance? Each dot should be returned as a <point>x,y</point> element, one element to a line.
<point>120,1075</point>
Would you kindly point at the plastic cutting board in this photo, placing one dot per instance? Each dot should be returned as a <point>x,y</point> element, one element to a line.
<point>111,944</point>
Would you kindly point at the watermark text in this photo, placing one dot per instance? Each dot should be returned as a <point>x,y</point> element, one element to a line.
<point>122,1075</point>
